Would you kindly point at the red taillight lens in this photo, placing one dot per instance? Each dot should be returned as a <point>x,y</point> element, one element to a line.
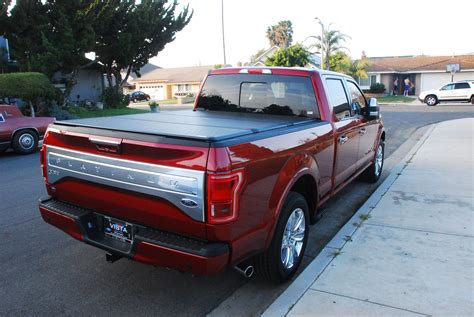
<point>222,196</point>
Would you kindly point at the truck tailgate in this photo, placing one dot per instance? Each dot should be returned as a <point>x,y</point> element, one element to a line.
<point>156,185</point>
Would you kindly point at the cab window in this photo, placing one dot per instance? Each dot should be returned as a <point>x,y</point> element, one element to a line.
<point>358,100</point>
<point>338,98</point>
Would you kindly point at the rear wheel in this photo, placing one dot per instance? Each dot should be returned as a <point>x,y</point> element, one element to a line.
<point>431,100</point>
<point>472,100</point>
<point>280,262</point>
<point>25,142</point>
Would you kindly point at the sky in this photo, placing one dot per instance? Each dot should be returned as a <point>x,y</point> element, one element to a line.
<point>380,28</point>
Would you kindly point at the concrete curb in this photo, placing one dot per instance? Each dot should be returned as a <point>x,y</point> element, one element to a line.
<point>285,302</point>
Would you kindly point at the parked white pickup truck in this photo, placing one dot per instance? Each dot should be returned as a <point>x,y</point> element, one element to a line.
<point>461,91</point>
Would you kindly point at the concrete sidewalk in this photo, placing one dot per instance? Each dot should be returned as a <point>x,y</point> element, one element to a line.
<point>410,249</point>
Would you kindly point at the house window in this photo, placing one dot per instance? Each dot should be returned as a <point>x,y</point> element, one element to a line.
<point>367,82</point>
<point>184,87</point>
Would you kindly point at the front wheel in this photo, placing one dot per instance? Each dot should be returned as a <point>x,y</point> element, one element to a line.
<point>472,100</point>
<point>25,142</point>
<point>280,262</point>
<point>373,172</point>
<point>431,100</point>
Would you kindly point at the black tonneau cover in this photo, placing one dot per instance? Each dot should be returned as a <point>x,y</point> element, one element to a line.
<point>192,125</point>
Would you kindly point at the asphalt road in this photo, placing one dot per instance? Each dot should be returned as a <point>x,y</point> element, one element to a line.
<point>44,272</point>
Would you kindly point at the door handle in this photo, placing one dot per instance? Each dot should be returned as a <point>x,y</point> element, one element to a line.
<point>343,139</point>
<point>362,131</point>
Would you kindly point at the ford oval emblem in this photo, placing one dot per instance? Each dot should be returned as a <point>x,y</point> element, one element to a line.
<point>189,203</point>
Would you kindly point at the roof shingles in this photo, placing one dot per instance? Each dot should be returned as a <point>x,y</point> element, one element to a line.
<point>176,75</point>
<point>418,63</point>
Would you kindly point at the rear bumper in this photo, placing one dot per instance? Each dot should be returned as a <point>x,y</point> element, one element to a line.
<point>149,246</point>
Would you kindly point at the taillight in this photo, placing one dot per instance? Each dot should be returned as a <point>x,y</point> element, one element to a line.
<point>222,196</point>
<point>43,163</point>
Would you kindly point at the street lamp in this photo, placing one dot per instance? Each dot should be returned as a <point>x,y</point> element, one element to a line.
<point>223,38</point>
<point>322,35</point>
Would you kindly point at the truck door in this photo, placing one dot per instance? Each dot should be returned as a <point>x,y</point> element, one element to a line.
<point>368,130</point>
<point>347,138</point>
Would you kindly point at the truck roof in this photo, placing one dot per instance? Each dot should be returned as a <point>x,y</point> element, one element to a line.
<point>292,71</point>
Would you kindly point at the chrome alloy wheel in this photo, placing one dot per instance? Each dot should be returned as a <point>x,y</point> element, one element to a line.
<point>293,238</point>
<point>379,160</point>
<point>26,141</point>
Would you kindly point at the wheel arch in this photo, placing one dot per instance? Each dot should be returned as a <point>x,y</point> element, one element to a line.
<point>14,132</point>
<point>299,172</point>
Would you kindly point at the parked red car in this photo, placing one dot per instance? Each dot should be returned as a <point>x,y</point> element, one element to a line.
<point>19,132</point>
<point>234,183</point>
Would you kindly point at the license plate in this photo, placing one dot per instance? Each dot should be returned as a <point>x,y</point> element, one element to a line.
<point>118,229</point>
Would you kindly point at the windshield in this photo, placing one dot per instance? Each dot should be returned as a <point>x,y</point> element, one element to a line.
<point>267,94</point>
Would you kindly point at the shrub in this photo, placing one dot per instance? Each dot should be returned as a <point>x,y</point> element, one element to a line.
<point>115,99</point>
<point>31,87</point>
<point>377,88</point>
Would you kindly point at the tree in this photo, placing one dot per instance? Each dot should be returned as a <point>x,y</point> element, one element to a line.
<point>128,34</point>
<point>31,87</point>
<point>280,34</point>
<point>295,55</point>
<point>4,4</point>
<point>342,63</point>
<point>329,42</point>
<point>50,36</point>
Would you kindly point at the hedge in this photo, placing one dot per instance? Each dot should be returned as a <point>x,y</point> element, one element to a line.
<point>27,86</point>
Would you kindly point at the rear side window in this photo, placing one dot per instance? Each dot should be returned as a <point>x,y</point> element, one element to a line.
<point>462,86</point>
<point>268,94</point>
<point>337,98</point>
<point>2,119</point>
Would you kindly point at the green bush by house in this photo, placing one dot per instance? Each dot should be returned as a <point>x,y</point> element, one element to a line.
<point>31,87</point>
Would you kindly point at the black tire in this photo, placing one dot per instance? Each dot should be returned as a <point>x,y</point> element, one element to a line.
<point>147,98</point>
<point>374,171</point>
<point>134,100</point>
<point>25,142</point>
<point>269,264</point>
<point>472,100</point>
<point>431,100</point>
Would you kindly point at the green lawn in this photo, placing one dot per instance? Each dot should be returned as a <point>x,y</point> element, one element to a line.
<point>395,99</point>
<point>85,113</point>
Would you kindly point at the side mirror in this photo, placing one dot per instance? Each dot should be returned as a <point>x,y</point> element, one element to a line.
<point>373,110</point>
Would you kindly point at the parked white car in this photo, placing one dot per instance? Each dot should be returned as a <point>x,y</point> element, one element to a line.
<point>461,91</point>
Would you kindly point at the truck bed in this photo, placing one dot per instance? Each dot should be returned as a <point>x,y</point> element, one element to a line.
<point>193,125</point>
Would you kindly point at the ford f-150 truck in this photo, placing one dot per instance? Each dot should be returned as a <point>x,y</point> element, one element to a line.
<point>236,182</point>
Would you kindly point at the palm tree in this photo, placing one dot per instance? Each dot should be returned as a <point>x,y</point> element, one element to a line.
<point>329,42</point>
<point>280,34</point>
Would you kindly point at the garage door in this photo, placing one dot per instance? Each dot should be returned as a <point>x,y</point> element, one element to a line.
<point>156,92</point>
<point>436,80</point>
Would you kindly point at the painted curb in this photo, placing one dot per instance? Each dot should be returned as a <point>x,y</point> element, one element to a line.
<point>285,302</point>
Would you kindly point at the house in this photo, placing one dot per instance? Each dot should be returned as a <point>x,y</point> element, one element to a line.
<point>7,64</point>
<point>167,83</point>
<point>314,60</point>
<point>89,83</point>
<point>129,85</point>
<point>425,72</point>
<point>260,60</point>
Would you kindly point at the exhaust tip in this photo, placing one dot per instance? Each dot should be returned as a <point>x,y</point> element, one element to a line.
<point>246,271</point>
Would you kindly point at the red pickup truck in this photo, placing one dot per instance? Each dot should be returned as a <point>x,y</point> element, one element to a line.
<point>234,183</point>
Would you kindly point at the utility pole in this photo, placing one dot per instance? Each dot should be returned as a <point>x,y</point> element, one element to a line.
<point>223,36</point>
<point>322,36</point>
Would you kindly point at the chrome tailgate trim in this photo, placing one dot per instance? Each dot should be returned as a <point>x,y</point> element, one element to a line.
<point>184,188</point>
